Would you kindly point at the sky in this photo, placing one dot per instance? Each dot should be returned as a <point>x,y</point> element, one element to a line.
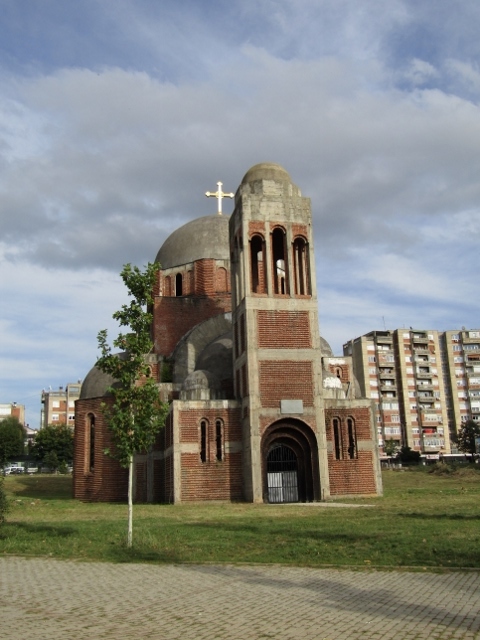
<point>116,117</point>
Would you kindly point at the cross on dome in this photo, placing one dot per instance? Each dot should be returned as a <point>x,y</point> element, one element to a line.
<point>219,194</point>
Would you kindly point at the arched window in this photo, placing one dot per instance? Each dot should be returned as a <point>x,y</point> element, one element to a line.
<point>339,373</point>
<point>167,286</point>
<point>219,440</point>
<point>352,439</point>
<point>90,443</point>
<point>203,440</point>
<point>221,280</point>
<point>279,262</point>
<point>301,267</point>
<point>178,285</point>
<point>337,439</point>
<point>257,264</point>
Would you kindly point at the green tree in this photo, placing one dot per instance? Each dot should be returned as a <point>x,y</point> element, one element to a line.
<point>466,436</point>
<point>53,439</point>
<point>136,414</point>
<point>406,455</point>
<point>390,447</point>
<point>12,439</point>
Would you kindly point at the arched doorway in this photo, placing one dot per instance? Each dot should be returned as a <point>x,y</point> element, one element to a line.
<point>290,463</point>
<point>282,474</point>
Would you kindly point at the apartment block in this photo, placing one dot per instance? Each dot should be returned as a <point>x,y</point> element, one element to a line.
<point>58,406</point>
<point>461,368</point>
<point>402,372</point>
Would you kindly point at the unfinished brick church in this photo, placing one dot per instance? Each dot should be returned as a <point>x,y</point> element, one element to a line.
<point>260,409</point>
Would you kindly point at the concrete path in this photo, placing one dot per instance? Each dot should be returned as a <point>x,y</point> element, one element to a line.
<point>55,600</point>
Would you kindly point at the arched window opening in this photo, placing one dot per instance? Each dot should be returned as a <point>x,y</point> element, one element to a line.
<point>338,373</point>
<point>219,440</point>
<point>203,441</point>
<point>352,439</point>
<point>257,263</point>
<point>167,286</point>
<point>178,285</point>
<point>90,437</point>
<point>337,439</point>
<point>280,266</point>
<point>301,267</point>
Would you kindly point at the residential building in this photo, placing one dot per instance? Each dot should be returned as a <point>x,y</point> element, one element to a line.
<point>58,407</point>
<point>425,384</point>
<point>8,409</point>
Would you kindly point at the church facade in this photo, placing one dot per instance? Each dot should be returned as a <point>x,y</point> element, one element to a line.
<point>260,409</point>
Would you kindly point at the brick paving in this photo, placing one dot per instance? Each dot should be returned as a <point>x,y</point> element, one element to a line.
<point>50,599</point>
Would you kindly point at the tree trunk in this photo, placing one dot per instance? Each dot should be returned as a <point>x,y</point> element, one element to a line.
<point>130,502</point>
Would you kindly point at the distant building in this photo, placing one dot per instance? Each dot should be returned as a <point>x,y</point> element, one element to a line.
<point>58,407</point>
<point>424,383</point>
<point>12,409</point>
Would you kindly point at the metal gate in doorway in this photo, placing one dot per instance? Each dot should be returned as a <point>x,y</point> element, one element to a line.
<point>282,474</point>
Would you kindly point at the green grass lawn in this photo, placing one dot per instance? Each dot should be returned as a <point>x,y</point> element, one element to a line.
<point>424,521</point>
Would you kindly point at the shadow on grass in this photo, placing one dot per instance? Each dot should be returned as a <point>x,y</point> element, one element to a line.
<point>52,531</point>
<point>440,516</point>
<point>43,487</point>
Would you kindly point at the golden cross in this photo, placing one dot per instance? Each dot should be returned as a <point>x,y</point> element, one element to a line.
<point>219,194</point>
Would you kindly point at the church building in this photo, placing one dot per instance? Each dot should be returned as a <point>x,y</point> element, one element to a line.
<point>260,408</point>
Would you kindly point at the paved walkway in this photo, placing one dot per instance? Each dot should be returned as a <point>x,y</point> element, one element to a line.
<point>54,600</point>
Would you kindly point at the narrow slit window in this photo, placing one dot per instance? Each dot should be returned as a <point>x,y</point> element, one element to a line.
<point>219,439</point>
<point>178,285</point>
<point>337,439</point>
<point>352,439</point>
<point>90,462</point>
<point>203,441</point>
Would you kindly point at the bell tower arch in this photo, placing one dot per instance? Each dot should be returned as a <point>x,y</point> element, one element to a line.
<point>277,358</point>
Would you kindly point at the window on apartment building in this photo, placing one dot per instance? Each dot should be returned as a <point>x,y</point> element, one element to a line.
<point>352,439</point>
<point>55,417</point>
<point>457,347</point>
<point>372,359</point>
<point>219,440</point>
<point>203,440</point>
<point>301,267</point>
<point>337,439</point>
<point>56,404</point>
<point>279,262</point>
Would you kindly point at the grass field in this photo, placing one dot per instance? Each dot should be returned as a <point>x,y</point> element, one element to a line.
<point>424,520</point>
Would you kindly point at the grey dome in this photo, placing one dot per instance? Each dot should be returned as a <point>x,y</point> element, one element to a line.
<point>266,171</point>
<point>218,357</point>
<point>205,237</point>
<point>325,348</point>
<point>97,382</point>
<point>201,380</point>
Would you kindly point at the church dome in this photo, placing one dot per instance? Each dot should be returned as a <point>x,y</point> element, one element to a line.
<point>266,171</point>
<point>205,237</point>
<point>96,384</point>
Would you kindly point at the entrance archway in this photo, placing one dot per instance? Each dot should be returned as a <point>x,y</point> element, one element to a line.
<point>290,463</point>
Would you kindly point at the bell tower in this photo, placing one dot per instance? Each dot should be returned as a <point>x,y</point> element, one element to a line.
<point>277,357</point>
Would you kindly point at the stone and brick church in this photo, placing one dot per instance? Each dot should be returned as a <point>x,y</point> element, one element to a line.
<point>260,409</point>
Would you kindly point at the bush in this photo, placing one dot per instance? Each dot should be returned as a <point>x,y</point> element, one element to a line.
<point>4,502</point>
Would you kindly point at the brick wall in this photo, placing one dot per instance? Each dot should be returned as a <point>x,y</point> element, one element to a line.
<point>283,329</point>
<point>174,317</point>
<point>108,481</point>
<point>351,476</point>
<point>212,479</point>
<point>285,380</point>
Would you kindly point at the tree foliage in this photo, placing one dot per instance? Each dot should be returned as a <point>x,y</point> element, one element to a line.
<point>407,455</point>
<point>466,436</point>
<point>53,442</point>
<point>12,439</point>
<point>136,413</point>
